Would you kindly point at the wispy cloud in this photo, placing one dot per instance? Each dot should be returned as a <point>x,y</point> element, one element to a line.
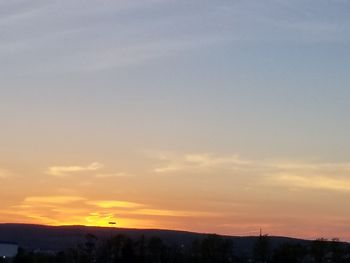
<point>51,200</point>
<point>173,162</point>
<point>331,176</point>
<point>112,42</point>
<point>173,213</point>
<point>71,209</point>
<point>325,176</point>
<point>49,209</point>
<point>114,204</point>
<point>93,37</point>
<point>131,208</point>
<point>314,182</point>
<point>4,173</point>
<point>111,175</point>
<point>65,170</point>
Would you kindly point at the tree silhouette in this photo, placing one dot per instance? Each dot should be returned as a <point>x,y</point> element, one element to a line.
<point>209,249</point>
<point>140,249</point>
<point>212,248</point>
<point>156,250</point>
<point>262,249</point>
<point>289,253</point>
<point>319,249</point>
<point>117,249</point>
<point>90,248</point>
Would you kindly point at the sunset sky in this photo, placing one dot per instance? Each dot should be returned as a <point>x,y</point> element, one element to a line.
<point>210,116</point>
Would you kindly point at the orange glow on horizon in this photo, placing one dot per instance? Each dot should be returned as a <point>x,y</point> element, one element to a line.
<point>185,193</point>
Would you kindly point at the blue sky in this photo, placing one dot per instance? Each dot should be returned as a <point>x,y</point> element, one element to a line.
<point>112,81</point>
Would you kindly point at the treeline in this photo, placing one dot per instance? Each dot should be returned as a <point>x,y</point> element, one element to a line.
<point>210,249</point>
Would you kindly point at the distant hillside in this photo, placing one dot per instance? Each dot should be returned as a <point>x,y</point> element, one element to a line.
<point>62,237</point>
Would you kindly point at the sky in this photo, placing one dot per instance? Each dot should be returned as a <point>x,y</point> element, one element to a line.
<point>208,116</point>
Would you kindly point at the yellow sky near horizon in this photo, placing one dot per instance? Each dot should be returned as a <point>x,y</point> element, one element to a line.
<point>224,194</point>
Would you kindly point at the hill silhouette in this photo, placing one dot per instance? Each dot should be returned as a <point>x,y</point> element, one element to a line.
<point>56,238</point>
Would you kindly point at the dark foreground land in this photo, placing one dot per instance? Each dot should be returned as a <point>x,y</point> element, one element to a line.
<point>79,244</point>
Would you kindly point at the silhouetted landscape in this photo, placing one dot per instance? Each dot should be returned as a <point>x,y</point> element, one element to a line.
<point>83,244</point>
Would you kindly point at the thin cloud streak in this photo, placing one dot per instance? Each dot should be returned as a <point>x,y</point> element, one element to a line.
<point>4,174</point>
<point>111,175</point>
<point>66,170</point>
<point>314,182</point>
<point>114,204</point>
<point>326,176</point>
<point>114,42</point>
<point>199,161</point>
<point>58,199</point>
<point>62,210</point>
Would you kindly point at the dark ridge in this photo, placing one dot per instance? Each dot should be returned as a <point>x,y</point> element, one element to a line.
<point>56,238</point>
